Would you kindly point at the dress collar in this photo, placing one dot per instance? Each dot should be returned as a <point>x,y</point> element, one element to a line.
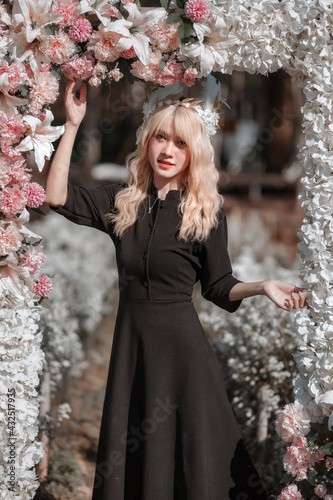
<point>172,194</point>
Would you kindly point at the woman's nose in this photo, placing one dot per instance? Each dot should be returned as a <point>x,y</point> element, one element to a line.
<point>168,147</point>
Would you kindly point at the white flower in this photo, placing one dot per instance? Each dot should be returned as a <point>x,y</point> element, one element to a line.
<point>97,7</point>
<point>133,29</point>
<point>34,15</point>
<point>41,138</point>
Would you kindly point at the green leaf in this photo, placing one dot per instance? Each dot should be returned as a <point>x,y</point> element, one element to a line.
<point>184,32</point>
<point>285,479</point>
<point>174,17</point>
<point>181,3</point>
<point>23,90</point>
<point>327,448</point>
<point>164,3</point>
<point>45,302</point>
<point>37,210</point>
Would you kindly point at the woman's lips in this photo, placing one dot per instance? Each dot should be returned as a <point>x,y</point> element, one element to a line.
<point>163,164</point>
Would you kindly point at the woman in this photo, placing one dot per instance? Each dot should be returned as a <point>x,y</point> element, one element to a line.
<point>167,430</point>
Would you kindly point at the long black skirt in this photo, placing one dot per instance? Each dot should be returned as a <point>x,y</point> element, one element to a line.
<point>168,431</point>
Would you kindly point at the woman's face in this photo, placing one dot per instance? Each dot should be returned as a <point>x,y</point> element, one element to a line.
<point>168,156</point>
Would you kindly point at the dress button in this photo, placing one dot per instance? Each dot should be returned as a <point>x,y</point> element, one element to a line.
<point>145,283</point>
<point>145,255</point>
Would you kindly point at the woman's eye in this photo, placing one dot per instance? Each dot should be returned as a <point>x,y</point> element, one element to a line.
<point>182,143</point>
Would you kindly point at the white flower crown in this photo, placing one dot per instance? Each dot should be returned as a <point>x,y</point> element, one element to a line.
<point>209,111</point>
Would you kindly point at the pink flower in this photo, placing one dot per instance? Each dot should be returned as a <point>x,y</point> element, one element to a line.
<point>128,54</point>
<point>43,286</point>
<point>111,11</point>
<point>297,461</point>
<point>81,30</point>
<point>12,200</point>
<point>115,73</point>
<point>17,75</point>
<point>189,77</point>
<point>127,1</point>
<point>301,441</point>
<point>44,91</point>
<point>34,259</point>
<point>196,10</point>
<point>164,36</point>
<point>151,70</point>
<point>10,239</point>
<point>292,421</point>
<point>328,497</point>
<point>329,463</point>
<point>13,173</point>
<point>66,8</point>
<point>79,68</point>
<point>171,73</point>
<point>103,43</point>
<point>290,492</point>
<point>11,131</point>
<point>94,81</point>
<point>320,455</point>
<point>60,48</point>
<point>35,194</point>
<point>320,490</point>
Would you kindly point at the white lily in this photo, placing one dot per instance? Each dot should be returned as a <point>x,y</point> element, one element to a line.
<point>4,16</point>
<point>209,51</point>
<point>22,50</point>
<point>34,15</point>
<point>9,102</point>
<point>133,28</point>
<point>97,7</point>
<point>40,139</point>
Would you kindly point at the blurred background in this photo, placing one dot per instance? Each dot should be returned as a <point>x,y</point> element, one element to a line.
<point>260,176</point>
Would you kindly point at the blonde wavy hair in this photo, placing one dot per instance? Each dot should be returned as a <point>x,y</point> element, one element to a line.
<point>200,201</point>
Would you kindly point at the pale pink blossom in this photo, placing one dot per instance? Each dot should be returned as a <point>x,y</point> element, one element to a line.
<point>320,455</point>
<point>297,461</point>
<point>19,176</point>
<point>44,91</point>
<point>170,74</point>
<point>290,492</point>
<point>17,75</point>
<point>111,11</point>
<point>189,77</point>
<point>11,130</point>
<point>13,172</point>
<point>103,43</point>
<point>329,463</point>
<point>45,67</point>
<point>67,8</point>
<point>164,36</point>
<point>196,10</point>
<point>33,259</point>
<point>150,71</point>
<point>320,490</point>
<point>94,81</point>
<point>128,54</point>
<point>60,48</point>
<point>80,30</point>
<point>43,286</point>
<point>115,73</point>
<point>127,1</point>
<point>12,200</point>
<point>328,497</point>
<point>35,194</point>
<point>301,441</point>
<point>10,239</point>
<point>79,68</point>
<point>100,69</point>
<point>292,421</point>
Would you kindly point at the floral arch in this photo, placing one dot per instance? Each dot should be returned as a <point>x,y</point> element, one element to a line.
<point>105,40</point>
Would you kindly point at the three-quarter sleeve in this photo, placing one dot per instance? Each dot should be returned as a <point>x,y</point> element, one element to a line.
<point>216,272</point>
<point>88,205</point>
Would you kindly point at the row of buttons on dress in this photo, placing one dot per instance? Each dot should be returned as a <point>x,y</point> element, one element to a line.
<point>145,255</point>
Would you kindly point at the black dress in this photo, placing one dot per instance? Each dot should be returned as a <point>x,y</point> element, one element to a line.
<point>168,431</point>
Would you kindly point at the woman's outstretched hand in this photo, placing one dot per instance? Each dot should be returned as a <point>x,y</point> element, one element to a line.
<point>75,108</point>
<point>284,295</point>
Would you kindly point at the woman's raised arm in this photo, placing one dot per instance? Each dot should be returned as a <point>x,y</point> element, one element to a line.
<point>284,295</point>
<point>57,179</point>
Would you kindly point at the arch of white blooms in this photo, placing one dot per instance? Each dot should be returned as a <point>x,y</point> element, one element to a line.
<point>257,36</point>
